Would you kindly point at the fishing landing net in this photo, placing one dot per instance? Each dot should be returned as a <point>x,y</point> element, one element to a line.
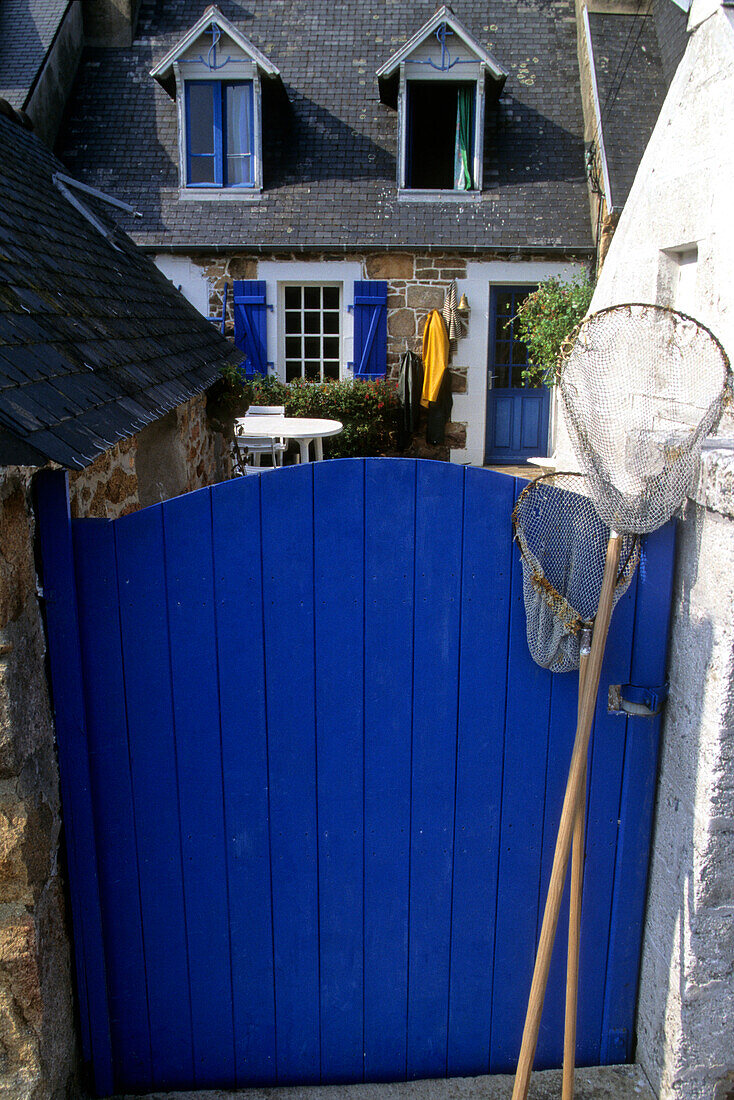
<point>641,386</point>
<point>563,546</point>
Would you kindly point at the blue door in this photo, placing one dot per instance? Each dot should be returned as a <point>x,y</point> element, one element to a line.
<point>517,415</point>
<point>310,811</point>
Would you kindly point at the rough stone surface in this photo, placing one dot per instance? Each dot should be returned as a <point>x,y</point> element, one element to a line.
<point>37,1045</point>
<point>682,194</point>
<point>392,266</point>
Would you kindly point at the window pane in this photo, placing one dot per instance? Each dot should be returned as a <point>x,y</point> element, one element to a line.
<point>201,170</point>
<point>201,118</point>
<point>239,130</point>
<point>293,297</point>
<point>312,297</point>
<point>293,347</point>
<point>331,347</point>
<point>312,321</point>
<point>292,370</point>
<point>313,370</point>
<point>519,353</point>
<point>312,347</point>
<point>501,376</point>
<point>292,322</point>
<point>331,369</point>
<point>331,322</point>
<point>331,297</point>
<point>239,170</point>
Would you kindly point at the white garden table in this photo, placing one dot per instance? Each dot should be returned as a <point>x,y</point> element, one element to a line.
<point>300,428</point>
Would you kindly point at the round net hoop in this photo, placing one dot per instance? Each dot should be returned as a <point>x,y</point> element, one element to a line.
<point>641,386</point>
<point>563,546</point>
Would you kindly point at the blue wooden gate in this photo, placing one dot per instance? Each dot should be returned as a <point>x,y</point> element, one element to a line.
<point>312,778</point>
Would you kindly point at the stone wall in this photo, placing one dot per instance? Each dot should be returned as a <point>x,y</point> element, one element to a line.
<point>174,455</point>
<point>37,1038</point>
<point>416,284</point>
<point>37,1041</point>
<point>681,198</point>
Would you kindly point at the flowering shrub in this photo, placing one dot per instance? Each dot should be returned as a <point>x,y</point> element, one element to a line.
<point>545,319</point>
<point>367,409</point>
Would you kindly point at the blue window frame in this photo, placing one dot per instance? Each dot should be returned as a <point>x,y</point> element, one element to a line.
<point>220,134</point>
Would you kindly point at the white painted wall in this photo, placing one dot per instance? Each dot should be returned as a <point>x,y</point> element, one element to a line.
<point>681,198</point>
<point>187,277</point>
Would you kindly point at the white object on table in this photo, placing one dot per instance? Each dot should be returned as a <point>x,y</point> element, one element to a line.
<point>300,428</point>
<point>271,445</point>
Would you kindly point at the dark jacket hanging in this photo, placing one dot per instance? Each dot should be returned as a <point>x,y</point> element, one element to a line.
<point>410,387</point>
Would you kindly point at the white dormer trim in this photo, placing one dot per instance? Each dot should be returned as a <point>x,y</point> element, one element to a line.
<point>164,68</point>
<point>443,15</point>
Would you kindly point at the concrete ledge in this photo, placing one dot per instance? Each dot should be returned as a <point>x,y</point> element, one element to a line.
<point>599,1083</point>
<point>715,486</point>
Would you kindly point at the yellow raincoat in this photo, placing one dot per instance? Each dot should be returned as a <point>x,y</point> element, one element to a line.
<point>435,356</point>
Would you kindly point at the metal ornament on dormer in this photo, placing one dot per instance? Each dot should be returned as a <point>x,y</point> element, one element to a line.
<point>211,58</point>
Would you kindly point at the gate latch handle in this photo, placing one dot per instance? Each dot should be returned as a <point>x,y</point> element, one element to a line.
<point>641,702</point>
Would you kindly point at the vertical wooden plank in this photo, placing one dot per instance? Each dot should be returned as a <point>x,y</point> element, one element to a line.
<point>54,526</point>
<point>649,659</point>
<point>482,694</point>
<point>146,656</point>
<point>523,795</point>
<point>339,630</point>
<point>439,512</point>
<point>112,794</point>
<point>388,682</point>
<point>242,692</point>
<point>287,547</point>
<point>602,825</point>
<point>192,638</point>
<point>561,734</point>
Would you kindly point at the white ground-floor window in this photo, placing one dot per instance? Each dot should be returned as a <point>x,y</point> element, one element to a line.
<point>312,331</point>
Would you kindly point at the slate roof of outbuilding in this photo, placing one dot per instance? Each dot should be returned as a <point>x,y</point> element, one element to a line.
<point>631,84</point>
<point>27,29</point>
<point>94,341</point>
<point>330,169</point>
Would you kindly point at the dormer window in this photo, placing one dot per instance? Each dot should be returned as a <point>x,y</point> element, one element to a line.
<point>438,81</point>
<point>215,74</point>
<point>220,147</point>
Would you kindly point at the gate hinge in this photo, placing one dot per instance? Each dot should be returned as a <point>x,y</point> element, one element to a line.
<point>641,702</point>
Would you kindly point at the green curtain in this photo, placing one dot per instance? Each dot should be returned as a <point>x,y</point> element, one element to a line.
<point>464,119</point>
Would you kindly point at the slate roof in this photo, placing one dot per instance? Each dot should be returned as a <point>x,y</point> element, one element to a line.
<point>330,165</point>
<point>94,341</point>
<point>27,30</point>
<point>632,87</point>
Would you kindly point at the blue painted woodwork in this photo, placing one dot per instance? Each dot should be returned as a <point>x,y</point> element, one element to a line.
<point>517,416</point>
<point>322,777</point>
<point>219,137</point>
<point>249,305</point>
<point>62,618</point>
<point>370,329</point>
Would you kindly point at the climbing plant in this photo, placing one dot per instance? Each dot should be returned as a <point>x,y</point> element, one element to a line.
<point>545,319</point>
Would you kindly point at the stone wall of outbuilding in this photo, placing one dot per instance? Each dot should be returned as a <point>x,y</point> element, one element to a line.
<point>37,1033</point>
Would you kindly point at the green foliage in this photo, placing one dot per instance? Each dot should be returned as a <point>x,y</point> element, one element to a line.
<point>545,319</point>
<point>368,411</point>
<point>228,398</point>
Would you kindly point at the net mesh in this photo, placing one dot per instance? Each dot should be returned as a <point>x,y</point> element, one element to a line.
<point>563,545</point>
<point>642,386</point>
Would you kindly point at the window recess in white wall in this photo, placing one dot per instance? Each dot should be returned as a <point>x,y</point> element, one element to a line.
<point>440,81</point>
<point>215,75</point>
<point>311,331</point>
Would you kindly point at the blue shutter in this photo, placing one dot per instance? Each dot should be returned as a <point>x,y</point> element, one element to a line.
<point>250,324</point>
<point>370,329</point>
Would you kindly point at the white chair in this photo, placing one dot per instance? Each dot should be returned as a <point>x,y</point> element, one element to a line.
<point>253,448</point>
